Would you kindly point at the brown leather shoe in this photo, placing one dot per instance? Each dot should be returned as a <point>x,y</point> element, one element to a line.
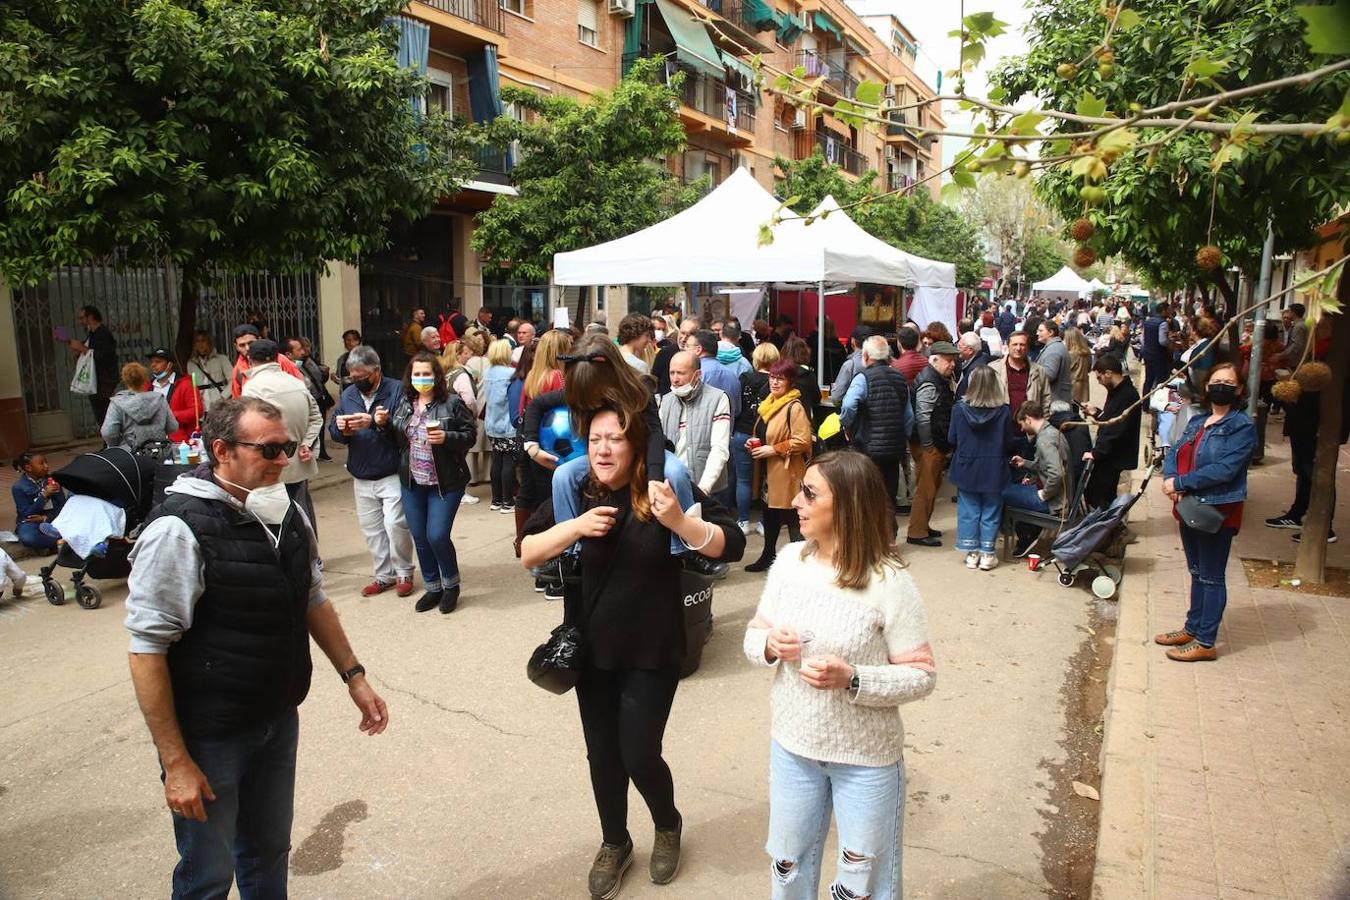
<point>1173,638</point>
<point>1193,652</point>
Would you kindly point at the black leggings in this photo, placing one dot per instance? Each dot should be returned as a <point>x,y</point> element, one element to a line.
<point>774,520</point>
<point>503,476</point>
<point>623,716</point>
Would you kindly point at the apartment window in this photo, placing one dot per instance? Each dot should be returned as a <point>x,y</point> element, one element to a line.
<point>438,98</point>
<point>588,22</point>
<point>519,7</point>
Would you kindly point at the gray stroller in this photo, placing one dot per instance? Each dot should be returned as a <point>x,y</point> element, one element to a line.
<point>1095,543</point>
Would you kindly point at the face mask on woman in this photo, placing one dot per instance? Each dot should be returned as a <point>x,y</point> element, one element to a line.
<point>1221,394</point>
<point>423,384</point>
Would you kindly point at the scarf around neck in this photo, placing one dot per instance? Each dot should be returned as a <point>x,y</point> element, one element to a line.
<point>771,404</point>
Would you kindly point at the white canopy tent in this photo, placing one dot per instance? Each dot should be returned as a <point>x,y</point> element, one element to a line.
<point>1065,281</point>
<point>1097,285</point>
<point>717,240</point>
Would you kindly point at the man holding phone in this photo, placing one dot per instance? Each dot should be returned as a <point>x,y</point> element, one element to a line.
<point>372,460</point>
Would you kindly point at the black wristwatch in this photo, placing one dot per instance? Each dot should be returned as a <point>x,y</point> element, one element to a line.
<point>351,673</point>
<point>855,682</point>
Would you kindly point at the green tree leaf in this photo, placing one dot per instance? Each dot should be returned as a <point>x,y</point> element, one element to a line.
<point>1127,19</point>
<point>1090,106</point>
<point>1328,27</point>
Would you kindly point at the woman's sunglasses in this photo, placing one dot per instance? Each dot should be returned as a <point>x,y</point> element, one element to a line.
<point>272,451</point>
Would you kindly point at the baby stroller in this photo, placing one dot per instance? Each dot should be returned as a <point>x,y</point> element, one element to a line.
<point>123,479</point>
<point>1092,542</point>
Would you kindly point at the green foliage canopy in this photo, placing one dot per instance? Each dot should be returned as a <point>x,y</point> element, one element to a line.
<point>587,173</point>
<point>1157,209</point>
<point>912,222</point>
<point>235,134</point>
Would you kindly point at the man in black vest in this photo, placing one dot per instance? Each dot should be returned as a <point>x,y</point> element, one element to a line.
<point>933,402</point>
<point>224,595</point>
<point>1117,446</point>
<point>876,412</point>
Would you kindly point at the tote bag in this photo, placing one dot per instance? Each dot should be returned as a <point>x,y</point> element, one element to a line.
<point>84,381</point>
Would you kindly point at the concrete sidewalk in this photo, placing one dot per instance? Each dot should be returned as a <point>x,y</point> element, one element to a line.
<point>1228,779</point>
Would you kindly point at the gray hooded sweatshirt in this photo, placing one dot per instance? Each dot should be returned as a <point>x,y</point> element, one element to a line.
<point>168,571</point>
<point>135,417</point>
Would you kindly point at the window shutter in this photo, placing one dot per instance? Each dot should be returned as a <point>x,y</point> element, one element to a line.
<point>588,14</point>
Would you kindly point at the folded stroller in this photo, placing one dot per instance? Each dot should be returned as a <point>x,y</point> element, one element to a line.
<point>1096,542</point>
<point>115,476</point>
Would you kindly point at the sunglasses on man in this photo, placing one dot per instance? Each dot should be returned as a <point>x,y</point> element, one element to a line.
<point>271,451</point>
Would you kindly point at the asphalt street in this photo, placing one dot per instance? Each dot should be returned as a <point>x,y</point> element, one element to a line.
<point>479,786</point>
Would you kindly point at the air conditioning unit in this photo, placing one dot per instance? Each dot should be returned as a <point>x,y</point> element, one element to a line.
<point>799,118</point>
<point>625,8</point>
<point>890,92</point>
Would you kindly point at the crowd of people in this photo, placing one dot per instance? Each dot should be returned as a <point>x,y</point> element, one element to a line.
<point>625,460</point>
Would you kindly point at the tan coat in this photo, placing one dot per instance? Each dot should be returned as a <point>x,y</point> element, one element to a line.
<point>789,433</point>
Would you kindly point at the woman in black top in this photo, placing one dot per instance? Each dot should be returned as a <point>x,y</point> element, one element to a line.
<point>629,609</point>
<point>754,388</point>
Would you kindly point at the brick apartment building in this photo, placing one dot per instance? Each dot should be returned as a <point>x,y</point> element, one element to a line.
<point>470,49</point>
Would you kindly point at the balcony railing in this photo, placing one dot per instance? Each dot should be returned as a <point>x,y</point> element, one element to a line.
<point>833,148</point>
<point>492,166</point>
<point>487,13</point>
<point>899,181</point>
<point>837,78</point>
<point>708,95</point>
<point>899,126</point>
<point>739,14</point>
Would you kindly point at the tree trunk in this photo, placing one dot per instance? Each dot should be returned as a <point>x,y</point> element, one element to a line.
<point>189,293</point>
<point>1229,293</point>
<point>1311,562</point>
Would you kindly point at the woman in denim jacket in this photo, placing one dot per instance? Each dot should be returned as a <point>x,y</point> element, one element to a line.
<point>1209,462</point>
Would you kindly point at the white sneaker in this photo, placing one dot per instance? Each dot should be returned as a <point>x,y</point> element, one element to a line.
<point>972,560</point>
<point>469,499</point>
<point>744,525</point>
<point>757,528</point>
<point>987,561</point>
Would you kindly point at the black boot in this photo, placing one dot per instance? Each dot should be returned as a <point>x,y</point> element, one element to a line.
<point>429,600</point>
<point>762,564</point>
<point>449,599</point>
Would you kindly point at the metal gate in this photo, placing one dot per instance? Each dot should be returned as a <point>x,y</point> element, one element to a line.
<point>140,308</point>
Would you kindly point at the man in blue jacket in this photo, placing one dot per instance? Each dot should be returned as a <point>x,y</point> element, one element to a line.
<point>372,460</point>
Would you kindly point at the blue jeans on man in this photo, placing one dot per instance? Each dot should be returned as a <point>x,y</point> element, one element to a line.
<point>1024,496</point>
<point>1207,559</point>
<point>247,833</point>
<point>868,801</point>
<point>430,516</point>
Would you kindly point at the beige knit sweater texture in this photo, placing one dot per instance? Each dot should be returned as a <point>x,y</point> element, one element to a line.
<point>882,629</point>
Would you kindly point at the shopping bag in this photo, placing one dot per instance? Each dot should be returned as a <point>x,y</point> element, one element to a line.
<point>84,381</point>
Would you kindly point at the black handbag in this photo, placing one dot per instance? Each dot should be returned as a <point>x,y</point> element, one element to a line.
<point>1200,516</point>
<point>556,664</point>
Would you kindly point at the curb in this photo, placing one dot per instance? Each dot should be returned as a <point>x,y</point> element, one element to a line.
<point>1124,864</point>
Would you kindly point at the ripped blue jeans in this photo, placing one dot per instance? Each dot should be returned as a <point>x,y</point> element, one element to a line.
<point>868,801</point>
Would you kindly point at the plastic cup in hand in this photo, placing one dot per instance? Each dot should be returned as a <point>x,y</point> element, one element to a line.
<point>433,424</point>
<point>804,641</point>
<point>1033,561</point>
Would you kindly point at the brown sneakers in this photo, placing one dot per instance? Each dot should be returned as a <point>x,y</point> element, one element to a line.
<point>607,871</point>
<point>1193,652</point>
<point>666,854</point>
<point>1173,638</point>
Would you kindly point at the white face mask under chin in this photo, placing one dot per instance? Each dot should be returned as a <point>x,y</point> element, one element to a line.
<point>268,504</point>
<point>684,390</point>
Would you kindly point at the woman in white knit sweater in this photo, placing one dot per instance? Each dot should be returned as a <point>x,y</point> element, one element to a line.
<point>844,626</point>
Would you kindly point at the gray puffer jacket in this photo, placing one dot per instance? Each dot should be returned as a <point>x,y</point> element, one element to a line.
<point>135,417</point>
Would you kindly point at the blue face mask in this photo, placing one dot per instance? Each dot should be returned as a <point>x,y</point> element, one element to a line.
<point>423,384</point>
